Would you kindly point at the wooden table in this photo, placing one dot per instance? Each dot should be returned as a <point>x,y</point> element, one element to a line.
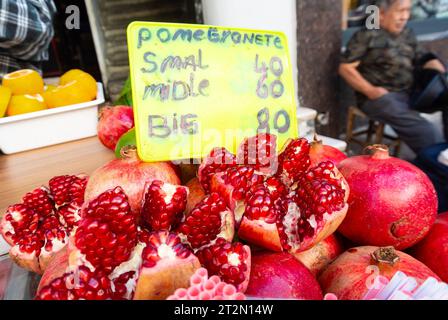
<point>25,171</point>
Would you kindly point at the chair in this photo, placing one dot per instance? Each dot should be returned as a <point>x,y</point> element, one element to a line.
<point>374,134</point>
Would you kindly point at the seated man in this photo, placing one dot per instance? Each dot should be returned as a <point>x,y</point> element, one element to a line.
<point>379,65</point>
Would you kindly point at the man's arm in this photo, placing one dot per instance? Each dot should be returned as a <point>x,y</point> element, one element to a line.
<point>425,58</point>
<point>435,64</point>
<point>354,78</point>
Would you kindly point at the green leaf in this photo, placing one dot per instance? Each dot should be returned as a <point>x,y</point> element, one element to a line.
<point>125,97</point>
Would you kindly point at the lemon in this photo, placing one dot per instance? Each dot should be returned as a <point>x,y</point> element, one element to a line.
<point>70,93</point>
<point>25,81</point>
<point>5,96</point>
<point>25,103</point>
<point>87,82</point>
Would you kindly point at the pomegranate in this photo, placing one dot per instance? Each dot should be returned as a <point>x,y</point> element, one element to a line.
<point>209,221</point>
<point>204,288</point>
<point>280,276</point>
<point>131,174</point>
<point>38,227</point>
<point>167,265</point>
<point>108,257</point>
<point>290,209</point>
<point>230,261</point>
<point>163,205</point>
<point>312,211</point>
<point>113,123</point>
<point>391,203</point>
<point>321,153</point>
<point>195,195</point>
<point>318,257</point>
<point>354,272</point>
<point>433,249</point>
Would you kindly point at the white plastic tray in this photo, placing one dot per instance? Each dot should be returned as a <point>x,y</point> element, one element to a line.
<point>51,126</point>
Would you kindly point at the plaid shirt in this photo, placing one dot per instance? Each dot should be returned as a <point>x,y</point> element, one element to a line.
<point>26,30</point>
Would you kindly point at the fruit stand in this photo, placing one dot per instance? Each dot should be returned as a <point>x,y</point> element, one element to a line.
<point>150,209</point>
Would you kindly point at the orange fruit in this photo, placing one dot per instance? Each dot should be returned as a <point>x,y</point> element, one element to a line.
<point>70,76</point>
<point>88,83</point>
<point>70,93</point>
<point>25,81</point>
<point>5,96</point>
<point>25,103</point>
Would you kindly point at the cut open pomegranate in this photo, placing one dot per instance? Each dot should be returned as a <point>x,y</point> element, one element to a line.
<point>114,259</point>
<point>38,227</point>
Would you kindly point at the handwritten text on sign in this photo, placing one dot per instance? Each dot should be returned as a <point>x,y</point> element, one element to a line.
<point>198,87</point>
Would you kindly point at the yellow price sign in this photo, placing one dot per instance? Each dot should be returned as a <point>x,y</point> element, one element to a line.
<point>197,87</point>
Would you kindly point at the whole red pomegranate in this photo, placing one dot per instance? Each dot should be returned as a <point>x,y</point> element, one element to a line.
<point>433,249</point>
<point>391,203</point>
<point>318,257</point>
<point>280,276</point>
<point>108,257</point>
<point>320,153</point>
<point>39,227</point>
<point>131,174</point>
<point>354,272</point>
<point>113,123</point>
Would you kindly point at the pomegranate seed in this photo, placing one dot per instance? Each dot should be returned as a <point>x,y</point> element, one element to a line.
<point>39,200</point>
<point>229,261</point>
<point>81,284</point>
<point>19,222</point>
<point>261,205</point>
<point>208,221</point>
<point>242,179</point>
<point>276,188</point>
<point>163,205</point>
<point>218,160</point>
<point>68,188</point>
<point>294,161</point>
<point>69,215</point>
<point>107,234</point>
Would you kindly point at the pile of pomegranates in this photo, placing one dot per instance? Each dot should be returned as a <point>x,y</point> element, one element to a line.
<point>258,224</point>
